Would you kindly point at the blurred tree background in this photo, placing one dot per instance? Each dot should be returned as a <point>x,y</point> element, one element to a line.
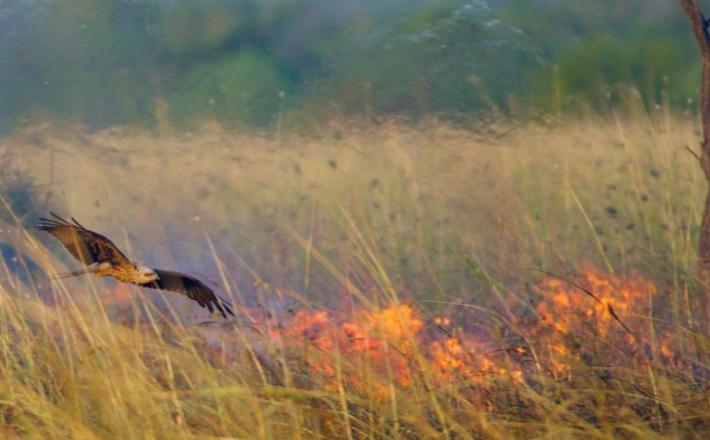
<point>291,63</point>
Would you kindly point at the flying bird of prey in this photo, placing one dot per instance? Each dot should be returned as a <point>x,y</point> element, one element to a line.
<point>103,258</point>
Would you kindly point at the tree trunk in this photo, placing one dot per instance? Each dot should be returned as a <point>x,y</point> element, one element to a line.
<point>700,24</point>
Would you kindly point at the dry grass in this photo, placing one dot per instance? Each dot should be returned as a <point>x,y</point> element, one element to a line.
<point>405,252</point>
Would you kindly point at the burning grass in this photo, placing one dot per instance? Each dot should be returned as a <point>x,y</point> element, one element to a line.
<point>385,282</point>
<point>564,367</point>
<point>568,339</point>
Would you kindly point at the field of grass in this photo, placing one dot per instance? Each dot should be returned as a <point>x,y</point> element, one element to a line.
<point>393,281</point>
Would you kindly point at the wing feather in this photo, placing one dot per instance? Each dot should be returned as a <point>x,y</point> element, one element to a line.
<point>191,287</point>
<point>86,246</point>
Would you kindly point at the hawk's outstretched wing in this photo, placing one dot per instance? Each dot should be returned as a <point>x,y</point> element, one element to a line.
<point>192,288</point>
<point>86,246</point>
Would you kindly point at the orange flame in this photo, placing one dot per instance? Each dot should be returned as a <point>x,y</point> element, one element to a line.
<point>371,350</point>
<point>567,309</point>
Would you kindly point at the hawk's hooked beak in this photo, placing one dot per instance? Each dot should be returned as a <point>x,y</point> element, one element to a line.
<point>148,272</point>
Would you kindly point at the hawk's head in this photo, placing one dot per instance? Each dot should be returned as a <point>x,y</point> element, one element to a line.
<point>146,274</point>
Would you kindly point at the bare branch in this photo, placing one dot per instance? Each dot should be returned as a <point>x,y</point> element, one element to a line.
<point>693,153</point>
<point>698,22</point>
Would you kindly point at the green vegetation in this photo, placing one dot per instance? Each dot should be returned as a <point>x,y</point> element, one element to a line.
<point>280,64</point>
